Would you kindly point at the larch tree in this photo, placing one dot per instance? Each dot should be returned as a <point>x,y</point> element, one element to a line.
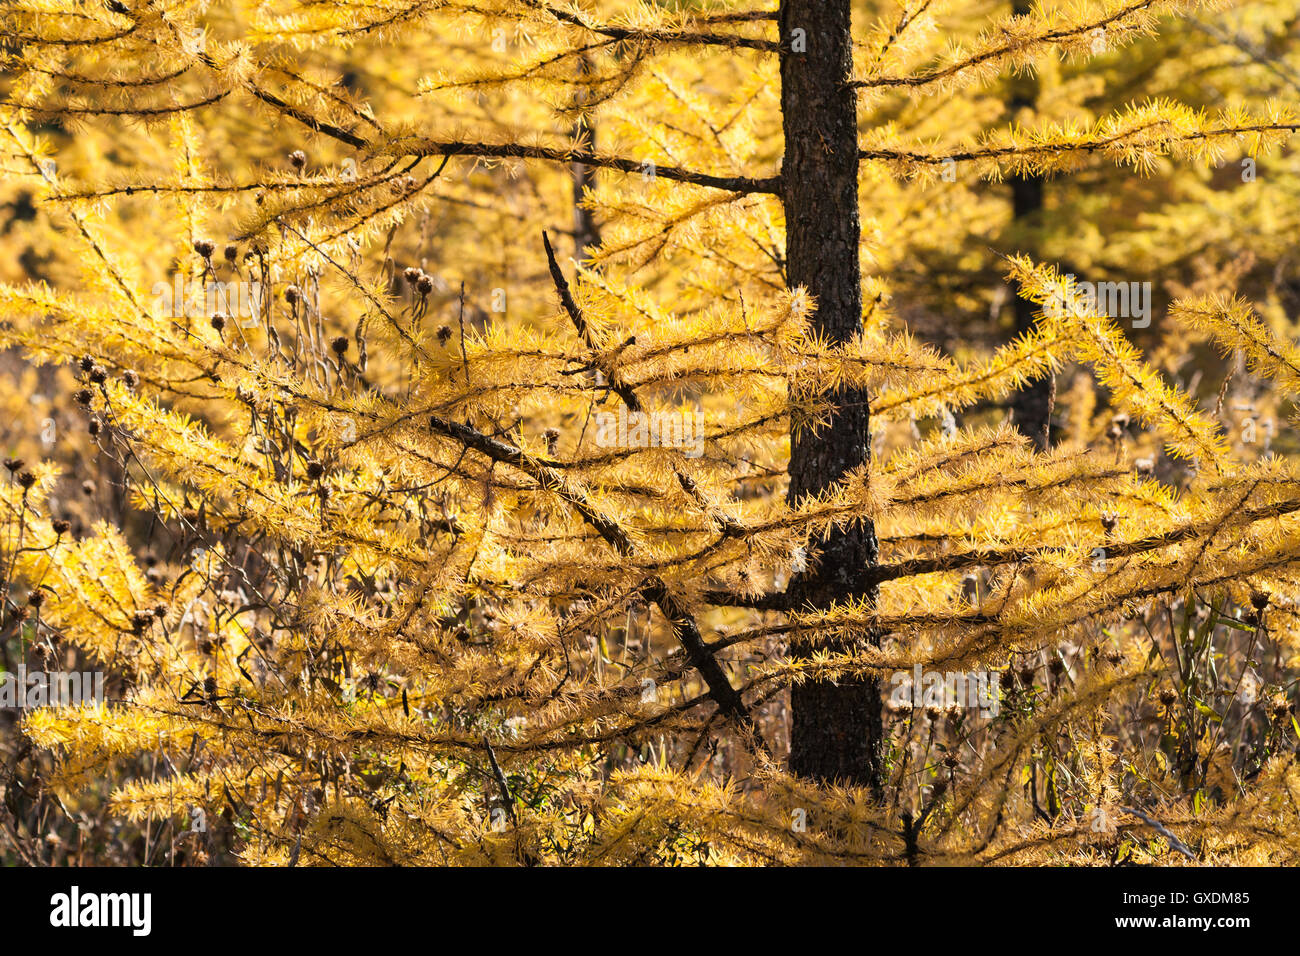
<point>406,532</point>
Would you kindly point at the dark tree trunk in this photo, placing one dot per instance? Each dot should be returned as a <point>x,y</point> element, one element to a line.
<point>836,731</point>
<point>586,234</point>
<point>1031,407</point>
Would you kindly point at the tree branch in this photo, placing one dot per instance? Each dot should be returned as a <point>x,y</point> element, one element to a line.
<point>428,147</point>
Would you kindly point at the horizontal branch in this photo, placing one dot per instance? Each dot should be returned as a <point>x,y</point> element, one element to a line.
<point>1051,149</point>
<point>972,559</point>
<point>666,36</point>
<point>735,184</point>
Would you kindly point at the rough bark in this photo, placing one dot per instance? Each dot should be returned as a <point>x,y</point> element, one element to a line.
<point>1031,406</point>
<point>836,731</point>
<point>586,234</point>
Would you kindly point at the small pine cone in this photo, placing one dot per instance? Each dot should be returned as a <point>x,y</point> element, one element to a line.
<point>210,687</point>
<point>424,285</point>
<point>130,378</point>
<point>61,525</point>
<point>86,363</point>
<point>298,160</point>
<point>292,295</point>
<point>140,621</point>
<point>94,426</point>
<point>83,396</point>
<point>160,611</point>
<point>411,275</point>
<point>14,464</point>
<point>231,253</point>
<point>26,479</point>
<point>339,345</point>
<point>1168,696</point>
<point>205,248</point>
<point>36,598</point>
<point>98,375</point>
<point>444,334</point>
<point>314,470</point>
<point>218,321</point>
<point>1259,600</point>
